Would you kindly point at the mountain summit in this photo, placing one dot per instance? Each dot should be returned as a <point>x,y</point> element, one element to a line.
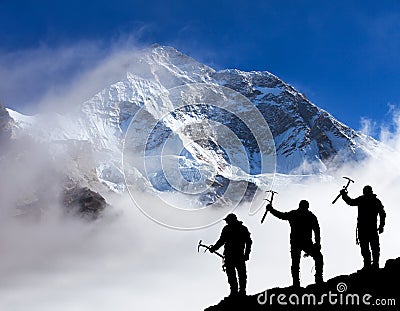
<point>308,140</point>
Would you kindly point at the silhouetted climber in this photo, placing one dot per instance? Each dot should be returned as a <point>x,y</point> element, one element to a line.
<point>236,239</point>
<point>302,223</point>
<point>369,206</point>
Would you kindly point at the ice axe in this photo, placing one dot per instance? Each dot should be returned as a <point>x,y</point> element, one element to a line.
<point>207,247</point>
<point>344,188</point>
<point>270,202</point>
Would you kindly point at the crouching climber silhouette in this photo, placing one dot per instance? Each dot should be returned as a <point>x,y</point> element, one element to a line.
<point>236,239</point>
<point>302,222</point>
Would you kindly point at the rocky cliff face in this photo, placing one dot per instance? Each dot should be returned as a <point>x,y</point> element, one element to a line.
<point>82,201</point>
<point>301,130</point>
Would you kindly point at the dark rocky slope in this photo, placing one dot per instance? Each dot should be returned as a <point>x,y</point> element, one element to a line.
<point>375,290</point>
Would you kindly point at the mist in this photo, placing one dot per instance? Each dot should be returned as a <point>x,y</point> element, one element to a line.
<point>58,78</point>
<point>125,261</point>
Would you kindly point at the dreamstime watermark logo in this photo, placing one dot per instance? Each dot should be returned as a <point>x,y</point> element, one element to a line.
<point>199,143</point>
<point>341,287</point>
<point>341,298</point>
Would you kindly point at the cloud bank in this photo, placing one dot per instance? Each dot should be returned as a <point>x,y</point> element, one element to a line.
<point>125,261</point>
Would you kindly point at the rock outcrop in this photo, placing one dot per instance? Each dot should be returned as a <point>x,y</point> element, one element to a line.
<point>83,202</point>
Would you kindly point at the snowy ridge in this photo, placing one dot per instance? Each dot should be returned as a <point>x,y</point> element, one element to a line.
<point>307,138</point>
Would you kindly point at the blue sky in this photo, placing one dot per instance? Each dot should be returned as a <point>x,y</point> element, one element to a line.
<point>344,55</point>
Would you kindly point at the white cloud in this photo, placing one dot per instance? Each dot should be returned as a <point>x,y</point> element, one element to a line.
<point>59,77</point>
<point>125,261</point>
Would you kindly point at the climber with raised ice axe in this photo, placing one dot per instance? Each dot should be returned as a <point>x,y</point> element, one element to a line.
<point>302,223</point>
<point>369,207</point>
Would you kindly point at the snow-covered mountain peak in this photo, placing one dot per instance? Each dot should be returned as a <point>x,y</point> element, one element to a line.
<point>303,133</point>
<point>169,67</point>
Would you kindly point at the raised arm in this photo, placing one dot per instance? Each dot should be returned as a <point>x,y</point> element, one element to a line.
<point>278,214</point>
<point>347,199</point>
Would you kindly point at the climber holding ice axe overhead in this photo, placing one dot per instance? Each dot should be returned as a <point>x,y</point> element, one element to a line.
<point>302,223</point>
<point>369,207</point>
